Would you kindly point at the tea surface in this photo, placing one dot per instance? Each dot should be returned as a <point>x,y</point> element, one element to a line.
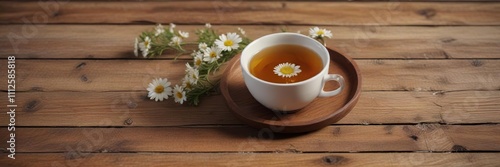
<point>264,64</point>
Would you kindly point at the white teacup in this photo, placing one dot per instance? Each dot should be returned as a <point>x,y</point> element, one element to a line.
<point>291,96</point>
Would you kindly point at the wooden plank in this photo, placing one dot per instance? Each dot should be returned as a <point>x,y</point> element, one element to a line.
<point>422,137</point>
<point>193,12</point>
<point>470,107</point>
<point>132,109</point>
<point>253,159</point>
<point>282,0</point>
<point>130,75</point>
<point>93,75</point>
<point>112,41</point>
<point>430,75</point>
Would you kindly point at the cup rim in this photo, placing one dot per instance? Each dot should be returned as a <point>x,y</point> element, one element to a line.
<point>323,48</point>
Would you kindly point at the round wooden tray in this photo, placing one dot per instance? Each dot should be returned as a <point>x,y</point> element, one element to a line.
<point>320,113</point>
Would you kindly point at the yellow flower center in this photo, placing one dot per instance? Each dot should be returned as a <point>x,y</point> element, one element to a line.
<point>320,32</point>
<point>146,43</point>
<point>213,55</point>
<point>179,95</point>
<point>228,43</point>
<point>188,85</point>
<point>287,70</point>
<point>159,89</point>
<point>198,62</point>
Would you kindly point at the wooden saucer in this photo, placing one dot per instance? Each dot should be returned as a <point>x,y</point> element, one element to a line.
<point>320,113</point>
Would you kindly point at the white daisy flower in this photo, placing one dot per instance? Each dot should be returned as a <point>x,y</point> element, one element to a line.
<point>202,46</point>
<point>316,32</point>
<point>136,47</point>
<point>183,34</point>
<point>194,53</point>
<point>242,32</point>
<point>159,30</point>
<point>179,94</point>
<point>172,26</point>
<point>287,70</point>
<point>208,25</point>
<point>175,41</point>
<point>145,46</point>
<point>188,83</point>
<point>228,42</point>
<point>198,59</point>
<point>188,68</point>
<point>192,72</point>
<point>159,89</point>
<point>212,54</point>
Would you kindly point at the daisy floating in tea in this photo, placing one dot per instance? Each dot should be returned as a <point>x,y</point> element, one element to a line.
<point>287,70</point>
<point>285,64</point>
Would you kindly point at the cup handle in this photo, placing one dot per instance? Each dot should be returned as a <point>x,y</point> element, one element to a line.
<point>332,77</point>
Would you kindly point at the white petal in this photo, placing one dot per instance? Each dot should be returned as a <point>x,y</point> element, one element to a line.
<point>136,47</point>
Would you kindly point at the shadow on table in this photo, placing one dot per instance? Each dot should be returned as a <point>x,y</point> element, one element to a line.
<point>262,134</point>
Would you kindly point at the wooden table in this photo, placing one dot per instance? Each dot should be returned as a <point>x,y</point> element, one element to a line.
<point>431,85</point>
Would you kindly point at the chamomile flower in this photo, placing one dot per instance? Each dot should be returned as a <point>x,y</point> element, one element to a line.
<point>193,73</point>
<point>242,32</point>
<point>208,25</point>
<point>175,41</point>
<point>194,53</point>
<point>287,70</point>
<point>202,46</point>
<point>179,94</point>
<point>198,59</point>
<point>172,26</point>
<point>159,30</point>
<point>212,54</point>
<point>188,83</point>
<point>136,47</point>
<point>316,32</point>
<point>159,89</point>
<point>183,34</point>
<point>145,46</point>
<point>228,42</point>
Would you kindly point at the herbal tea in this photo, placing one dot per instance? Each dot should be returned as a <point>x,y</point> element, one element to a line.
<point>285,64</point>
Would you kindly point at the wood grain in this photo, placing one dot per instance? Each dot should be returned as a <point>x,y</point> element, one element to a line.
<point>282,0</point>
<point>116,42</point>
<point>421,137</point>
<point>134,75</point>
<point>425,75</point>
<point>238,12</point>
<point>253,159</point>
<point>132,109</point>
